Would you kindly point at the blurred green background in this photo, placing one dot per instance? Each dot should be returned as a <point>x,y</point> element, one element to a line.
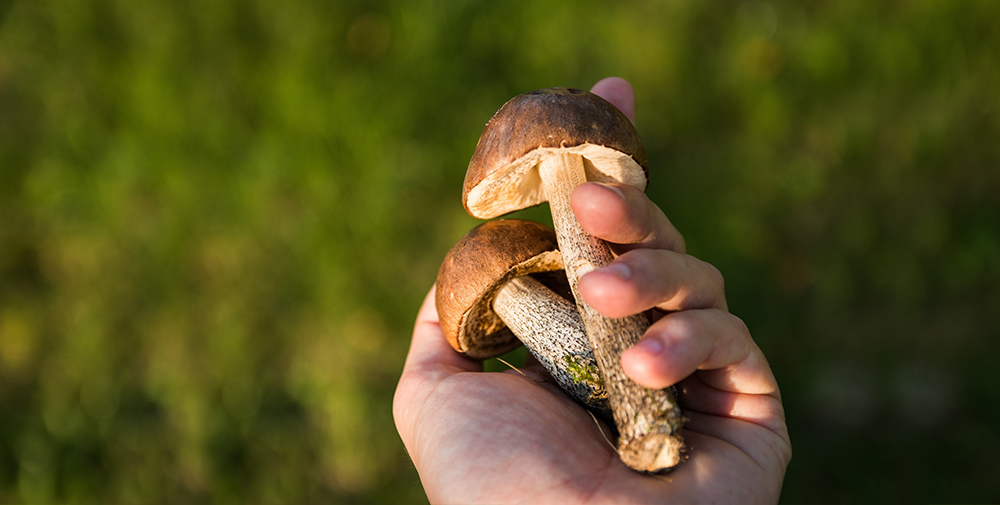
<point>218,219</point>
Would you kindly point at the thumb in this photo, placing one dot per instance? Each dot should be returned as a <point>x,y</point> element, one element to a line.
<point>619,92</point>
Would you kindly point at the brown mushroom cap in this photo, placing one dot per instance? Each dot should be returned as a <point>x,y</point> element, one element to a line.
<point>502,176</point>
<point>477,266</point>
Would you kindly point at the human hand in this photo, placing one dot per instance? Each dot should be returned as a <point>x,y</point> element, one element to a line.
<point>502,437</point>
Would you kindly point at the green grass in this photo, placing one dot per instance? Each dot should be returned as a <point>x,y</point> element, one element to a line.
<point>217,221</point>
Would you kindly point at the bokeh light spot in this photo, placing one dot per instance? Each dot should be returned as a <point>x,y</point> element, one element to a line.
<point>17,341</point>
<point>369,36</point>
<point>762,58</point>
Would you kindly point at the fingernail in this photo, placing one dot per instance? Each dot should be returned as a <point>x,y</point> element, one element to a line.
<point>620,270</point>
<point>613,188</point>
<point>649,346</point>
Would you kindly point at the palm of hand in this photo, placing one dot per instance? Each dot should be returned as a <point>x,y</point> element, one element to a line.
<point>503,437</point>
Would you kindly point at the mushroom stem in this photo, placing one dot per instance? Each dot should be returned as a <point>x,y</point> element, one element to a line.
<point>648,420</point>
<point>551,329</point>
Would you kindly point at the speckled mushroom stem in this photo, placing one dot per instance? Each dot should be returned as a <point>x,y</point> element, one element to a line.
<point>648,420</point>
<point>551,329</point>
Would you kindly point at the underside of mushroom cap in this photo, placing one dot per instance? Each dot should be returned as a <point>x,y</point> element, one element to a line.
<point>475,268</point>
<point>503,175</point>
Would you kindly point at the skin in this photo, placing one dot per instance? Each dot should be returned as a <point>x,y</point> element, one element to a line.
<point>478,437</point>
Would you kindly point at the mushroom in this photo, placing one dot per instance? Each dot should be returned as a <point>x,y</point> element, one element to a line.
<point>538,147</point>
<point>487,300</point>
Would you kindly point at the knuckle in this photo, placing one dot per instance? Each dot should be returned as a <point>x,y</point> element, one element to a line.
<point>642,261</point>
<point>716,277</point>
<point>680,326</point>
<point>739,324</point>
<point>680,245</point>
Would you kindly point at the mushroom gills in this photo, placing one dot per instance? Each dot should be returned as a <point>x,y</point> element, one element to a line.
<point>518,185</point>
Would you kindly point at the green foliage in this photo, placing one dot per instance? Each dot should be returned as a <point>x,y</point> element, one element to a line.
<point>217,221</point>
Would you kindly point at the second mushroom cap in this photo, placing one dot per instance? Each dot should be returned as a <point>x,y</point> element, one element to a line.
<point>480,263</point>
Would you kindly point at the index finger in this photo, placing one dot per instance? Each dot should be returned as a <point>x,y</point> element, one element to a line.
<point>648,227</point>
<point>625,217</point>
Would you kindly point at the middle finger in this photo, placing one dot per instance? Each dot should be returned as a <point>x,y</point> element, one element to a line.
<point>642,279</point>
